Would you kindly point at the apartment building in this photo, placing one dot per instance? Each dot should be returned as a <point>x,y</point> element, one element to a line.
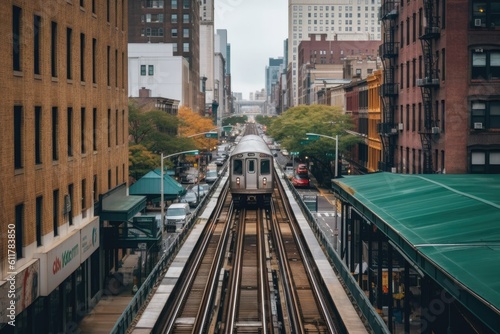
<point>441,87</point>
<point>338,19</point>
<point>176,22</point>
<point>63,145</point>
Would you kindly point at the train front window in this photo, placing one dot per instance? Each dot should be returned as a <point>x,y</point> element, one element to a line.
<point>237,167</point>
<point>265,166</point>
<point>251,166</point>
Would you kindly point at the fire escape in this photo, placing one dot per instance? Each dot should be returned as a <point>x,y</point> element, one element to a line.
<point>430,82</point>
<point>388,51</point>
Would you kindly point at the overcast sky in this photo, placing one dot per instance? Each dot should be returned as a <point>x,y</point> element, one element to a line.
<point>256,30</point>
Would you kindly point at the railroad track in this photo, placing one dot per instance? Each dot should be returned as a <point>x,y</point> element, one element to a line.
<point>250,274</point>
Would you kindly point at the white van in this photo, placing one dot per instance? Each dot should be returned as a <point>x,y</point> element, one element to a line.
<point>177,216</point>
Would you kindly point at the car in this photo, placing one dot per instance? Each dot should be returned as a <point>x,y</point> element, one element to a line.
<point>219,161</point>
<point>289,172</point>
<point>202,189</point>
<point>302,169</point>
<point>190,198</point>
<point>300,180</point>
<point>211,176</point>
<point>177,216</point>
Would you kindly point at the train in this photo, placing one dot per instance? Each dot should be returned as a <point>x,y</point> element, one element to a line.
<point>251,172</point>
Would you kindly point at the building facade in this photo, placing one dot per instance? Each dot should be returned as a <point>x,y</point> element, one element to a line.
<point>441,102</point>
<point>64,142</point>
<point>175,22</point>
<point>339,19</point>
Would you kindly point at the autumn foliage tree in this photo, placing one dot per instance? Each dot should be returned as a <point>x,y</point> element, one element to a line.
<point>193,126</point>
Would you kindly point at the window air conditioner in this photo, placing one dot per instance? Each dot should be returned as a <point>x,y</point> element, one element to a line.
<point>435,130</point>
<point>477,22</point>
<point>478,126</point>
<point>400,126</point>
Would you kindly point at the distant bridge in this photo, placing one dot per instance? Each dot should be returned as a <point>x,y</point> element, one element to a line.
<point>265,107</point>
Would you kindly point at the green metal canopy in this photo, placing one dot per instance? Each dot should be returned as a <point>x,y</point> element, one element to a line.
<point>150,186</point>
<point>448,225</point>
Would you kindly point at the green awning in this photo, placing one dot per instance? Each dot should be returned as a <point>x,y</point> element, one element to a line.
<point>150,186</point>
<point>448,224</point>
<point>117,206</point>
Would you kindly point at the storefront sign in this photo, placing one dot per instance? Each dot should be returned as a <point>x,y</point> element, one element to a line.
<point>59,262</point>
<point>89,239</point>
<point>19,290</point>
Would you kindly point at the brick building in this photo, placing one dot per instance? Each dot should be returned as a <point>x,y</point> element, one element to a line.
<point>441,87</point>
<point>63,145</point>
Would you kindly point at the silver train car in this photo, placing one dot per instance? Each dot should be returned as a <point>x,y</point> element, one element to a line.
<point>251,168</point>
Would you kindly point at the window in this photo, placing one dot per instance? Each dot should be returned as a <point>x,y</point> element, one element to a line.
<point>237,167</point>
<point>185,33</point>
<point>154,4</point>
<point>108,62</point>
<point>38,220</point>
<point>94,50</point>
<point>151,70</point>
<point>251,166</point>
<point>487,162</point>
<point>69,123</point>
<point>174,18</point>
<point>19,230</point>
<point>174,4</point>
<point>55,130</point>
<point>71,202</point>
<point>485,114</point>
<point>174,32</point>
<point>265,167</point>
<point>485,14</point>
<point>55,212</point>
<point>18,137</point>
<point>109,127</point>
<point>38,135</point>
<point>94,129</point>
<point>84,194</point>
<point>69,74</point>
<point>185,18</point>
<point>82,57</point>
<point>116,127</point>
<point>82,130</point>
<point>16,38</point>
<point>185,47</point>
<point>108,10</point>
<point>37,20</point>
<point>185,4</point>
<point>143,70</point>
<point>53,49</point>
<point>486,64</point>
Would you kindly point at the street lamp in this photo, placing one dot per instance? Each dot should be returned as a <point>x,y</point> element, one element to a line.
<point>315,136</point>
<point>162,186</point>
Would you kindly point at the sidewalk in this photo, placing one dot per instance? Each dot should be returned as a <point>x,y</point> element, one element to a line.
<point>108,310</point>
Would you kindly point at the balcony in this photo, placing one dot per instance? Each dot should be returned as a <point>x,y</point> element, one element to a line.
<point>389,89</point>
<point>388,10</point>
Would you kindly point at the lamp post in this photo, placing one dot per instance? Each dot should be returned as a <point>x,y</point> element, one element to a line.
<point>315,136</point>
<point>162,185</point>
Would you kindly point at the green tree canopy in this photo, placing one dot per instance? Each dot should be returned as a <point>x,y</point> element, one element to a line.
<point>291,127</point>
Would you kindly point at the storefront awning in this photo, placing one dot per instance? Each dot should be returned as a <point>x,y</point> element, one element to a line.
<point>116,205</point>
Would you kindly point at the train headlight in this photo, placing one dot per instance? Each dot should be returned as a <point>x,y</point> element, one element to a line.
<point>264,181</point>
<point>237,181</point>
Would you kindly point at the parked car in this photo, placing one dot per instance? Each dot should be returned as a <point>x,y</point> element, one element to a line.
<point>300,180</point>
<point>190,198</point>
<point>177,216</point>
<point>220,161</point>
<point>211,176</point>
<point>289,172</point>
<point>202,189</point>
<point>302,169</point>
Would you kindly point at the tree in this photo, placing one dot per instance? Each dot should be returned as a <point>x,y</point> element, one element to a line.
<point>191,123</point>
<point>291,127</point>
<point>141,161</point>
